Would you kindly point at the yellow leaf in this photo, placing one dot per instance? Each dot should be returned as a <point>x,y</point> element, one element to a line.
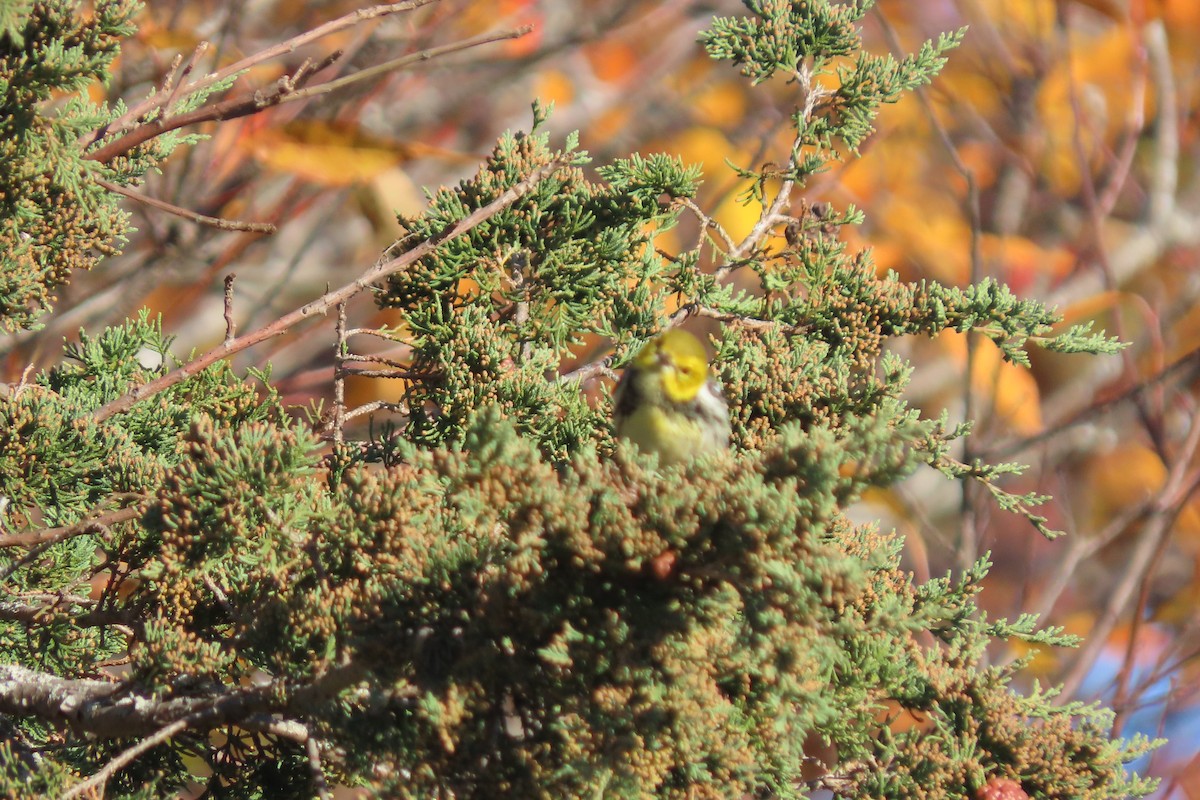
<point>1122,478</point>
<point>333,155</point>
<point>1026,266</point>
<point>1021,18</point>
<point>553,86</point>
<point>929,229</point>
<point>1099,73</point>
<point>1009,397</point>
<point>722,104</point>
<point>385,195</point>
<point>180,39</point>
<point>1013,391</point>
<point>611,60</point>
<point>1092,307</point>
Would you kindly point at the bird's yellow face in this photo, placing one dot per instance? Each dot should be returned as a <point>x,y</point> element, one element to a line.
<point>678,360</point>
<point>666,404</point>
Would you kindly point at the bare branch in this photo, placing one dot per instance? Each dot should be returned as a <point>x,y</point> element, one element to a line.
<point>1169,223</point>
<point>391,374</point>
<point>125,758</point>
<point>313,751</point>
<point>163,100</point>
<point>707,223</point>
<point>375,359</point>
<point>376,405</point>
<point>28,613</point>
<point>173,85</point>
<point>230,326</point>
<point>405,61</point>
<point>114,710</point>
<point>170,208</point>
<point>586,372</point>
<point>52,535</point>
<point>1184,369</point>
<point>1181,483</point>
<point>340,356</point>
<point>967,547</point>
<point>286,90</point>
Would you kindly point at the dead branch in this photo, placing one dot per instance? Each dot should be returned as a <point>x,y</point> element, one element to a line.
<point>287,89</point>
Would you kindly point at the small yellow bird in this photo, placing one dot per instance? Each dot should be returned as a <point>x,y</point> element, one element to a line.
<point>667,403</point>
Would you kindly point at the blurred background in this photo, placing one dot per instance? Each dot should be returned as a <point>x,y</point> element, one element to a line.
<point>1058,152</point>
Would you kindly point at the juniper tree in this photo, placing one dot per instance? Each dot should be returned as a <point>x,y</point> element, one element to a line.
<point>492,597</point>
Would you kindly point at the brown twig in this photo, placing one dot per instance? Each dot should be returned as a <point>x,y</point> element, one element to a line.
<point>188,214</point>
<point>175,85</point>
<point>750,323</point>
<point>1185,369</point>
<point>227,308</point>
<point>322,304</point>
<point>1181,483</point>
<point>1169,222</point>
<point>126,757</point>
<point>381,333</point>
<point>356,358</point>
<point>773,213</point>
<point>130,117</point>
<point>110,709</point>
<point>707,223</point>
<point>1136,125</point>
<point>1079,549</point>
<point>404,61</point>
<point>231,108</point>
<point>1094,215</point>
<point>97,524</point>
<point>313,751</point>
<point>286,90</point>
<point>393,374</point>
<point>340,355</point>
<point>29,614</point>
<point>41,541</point>
<point>284,728</point>
<point>376,405</point>
<point>585,372</point>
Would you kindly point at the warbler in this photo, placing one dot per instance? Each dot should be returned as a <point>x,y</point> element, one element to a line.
<point>668,403</point>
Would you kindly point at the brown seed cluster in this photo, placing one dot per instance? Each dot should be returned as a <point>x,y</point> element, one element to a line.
<point>63,221</point>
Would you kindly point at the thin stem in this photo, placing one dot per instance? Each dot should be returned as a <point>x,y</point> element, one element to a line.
<point>125,758</point>
<point>227,307</point>
<point>341,350</point>
<point>162,100</point>
<point>193,216</point>
<point>287,89</point>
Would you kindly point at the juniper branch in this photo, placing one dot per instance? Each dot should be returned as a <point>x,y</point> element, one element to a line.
<point>322,304</point>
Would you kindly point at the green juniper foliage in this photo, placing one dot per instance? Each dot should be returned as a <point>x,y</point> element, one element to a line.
<point>54,216</point>
<point>512,604</point>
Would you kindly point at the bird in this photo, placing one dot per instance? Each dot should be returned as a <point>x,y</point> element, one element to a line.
<point>668,402</point>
